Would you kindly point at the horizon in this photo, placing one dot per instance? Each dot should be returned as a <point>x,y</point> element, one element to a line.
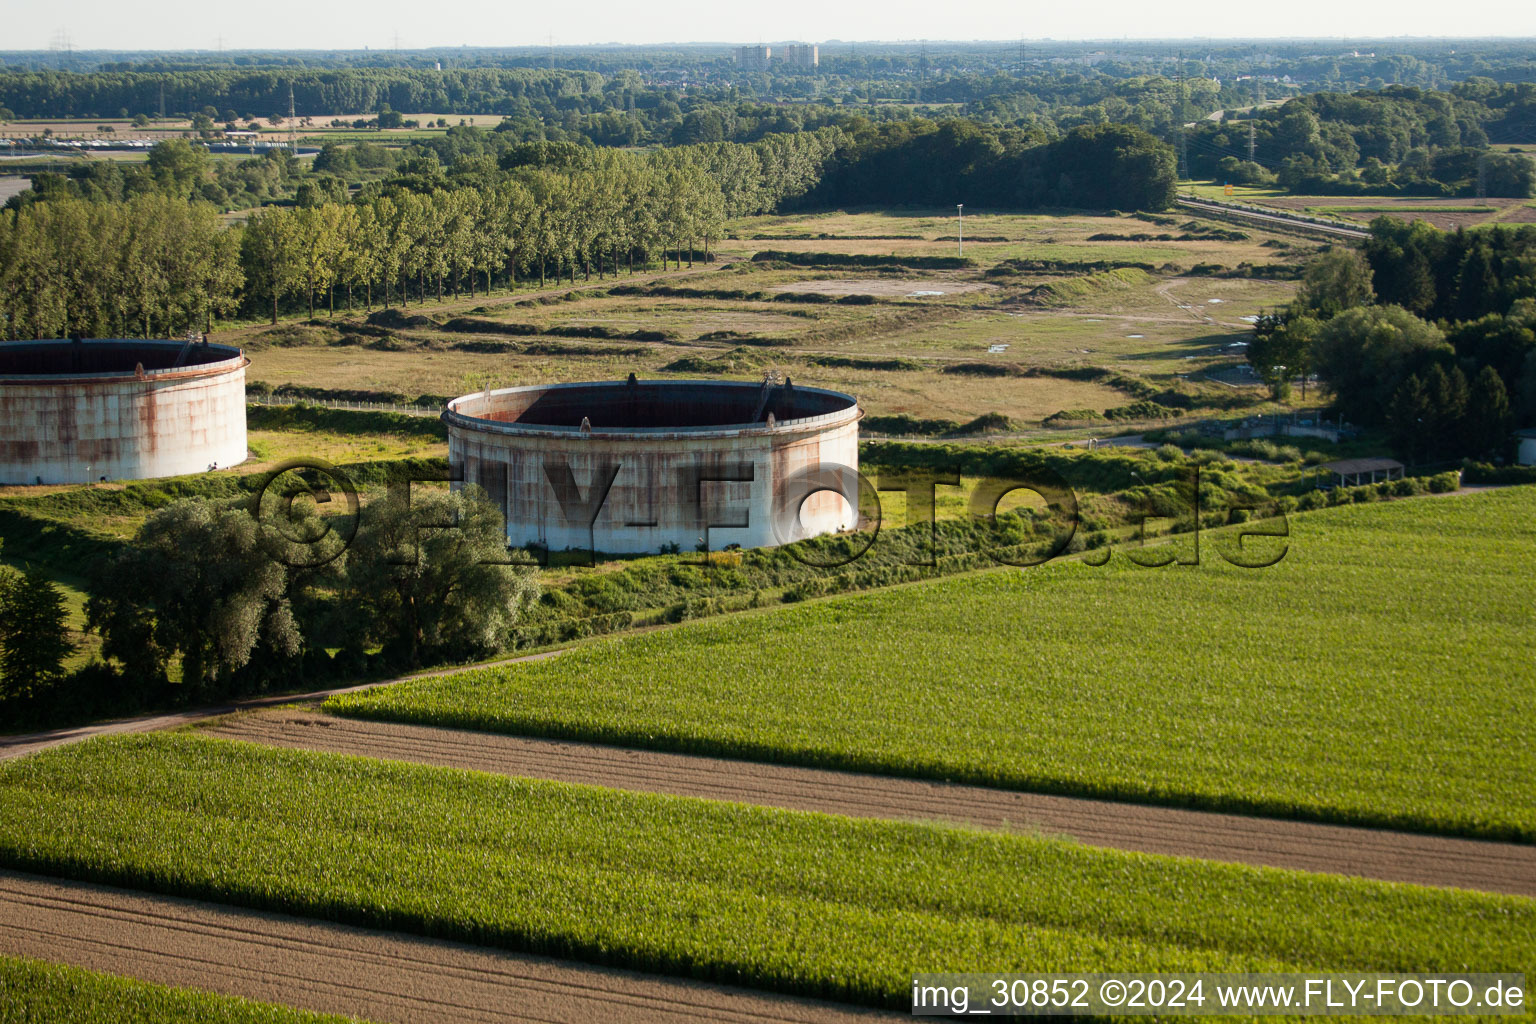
<point>290,25</point>
<point>56,46</point>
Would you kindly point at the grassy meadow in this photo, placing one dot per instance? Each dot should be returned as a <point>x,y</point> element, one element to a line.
<point>892,334</point>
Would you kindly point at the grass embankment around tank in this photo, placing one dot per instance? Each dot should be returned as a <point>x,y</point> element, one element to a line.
<point>782,900</point>
<point>1346,683</point>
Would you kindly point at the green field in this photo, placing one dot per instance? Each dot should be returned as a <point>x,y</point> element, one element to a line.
<point>34,992</point>
<point>1348,683</point>
<point>777,899</point>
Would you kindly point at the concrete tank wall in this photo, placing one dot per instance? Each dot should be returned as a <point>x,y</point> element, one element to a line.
<point>661,490</point>
<point>75,412</point>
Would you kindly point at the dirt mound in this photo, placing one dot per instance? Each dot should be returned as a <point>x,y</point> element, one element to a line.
<point>875,286</point>
<point>399,320</point>
<point>476,325</point>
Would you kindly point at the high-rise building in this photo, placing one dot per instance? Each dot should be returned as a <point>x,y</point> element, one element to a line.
<point>805,55</point>
<point>753,58</point>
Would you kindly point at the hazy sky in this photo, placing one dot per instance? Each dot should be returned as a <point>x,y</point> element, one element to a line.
<point>354,24</point>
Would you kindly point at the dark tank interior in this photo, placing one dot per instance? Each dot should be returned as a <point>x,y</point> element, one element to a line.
<point>658,405</point>
<point>105,356</point>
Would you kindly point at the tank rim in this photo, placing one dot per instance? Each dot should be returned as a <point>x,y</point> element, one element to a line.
<point>232,358</point>
<point>850,413</point>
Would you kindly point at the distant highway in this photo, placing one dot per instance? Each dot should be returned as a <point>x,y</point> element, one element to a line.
<point>1277,217</point>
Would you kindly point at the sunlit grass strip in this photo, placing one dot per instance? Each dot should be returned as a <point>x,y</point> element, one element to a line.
<point>1380,674</point>
<point>37,991</point>
<point>771,898</point>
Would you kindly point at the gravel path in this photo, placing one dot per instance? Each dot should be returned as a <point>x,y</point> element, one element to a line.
<point>381,976</point>
<point>1368,853</point>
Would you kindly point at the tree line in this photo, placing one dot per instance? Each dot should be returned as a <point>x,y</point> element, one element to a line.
<point>406,243</point>
<point>184,170</point>
<point>153,266</point>
<point>263,92</point>
<point>160,263</point>
<point>1396,141</point>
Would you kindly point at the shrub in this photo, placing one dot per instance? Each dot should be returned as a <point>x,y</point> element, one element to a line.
<point>1443,483</point>
<point>1067,416</point>
<point>1143,410</point>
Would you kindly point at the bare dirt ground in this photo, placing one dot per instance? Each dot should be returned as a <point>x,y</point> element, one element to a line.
<point>1368,853</point>
<point>879,286</point>
<point>381,976</point>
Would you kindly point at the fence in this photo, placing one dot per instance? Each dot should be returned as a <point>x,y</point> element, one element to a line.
<point>337,403</point>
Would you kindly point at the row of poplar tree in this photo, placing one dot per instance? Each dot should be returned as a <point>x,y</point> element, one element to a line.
<point>158,265</point>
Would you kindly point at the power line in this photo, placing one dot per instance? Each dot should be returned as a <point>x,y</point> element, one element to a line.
<point>1183,118</point>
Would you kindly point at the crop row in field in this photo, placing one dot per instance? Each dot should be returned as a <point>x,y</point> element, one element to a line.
<point>32,992</point>
<point>777,899</point>
<point>1346,683</point>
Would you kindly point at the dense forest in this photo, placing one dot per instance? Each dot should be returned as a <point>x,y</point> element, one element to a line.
<point>932,163</point>
<point>1428,335</point>
<point>913,162</point>
<point>1399,141</point>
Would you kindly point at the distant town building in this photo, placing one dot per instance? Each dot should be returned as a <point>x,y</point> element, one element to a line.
<point>802,55</point>
<point>753,58</point>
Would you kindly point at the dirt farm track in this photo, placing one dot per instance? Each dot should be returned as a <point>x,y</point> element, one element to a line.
<point>404,979</point>
<point>334,968</point>
<point>1369,853</point>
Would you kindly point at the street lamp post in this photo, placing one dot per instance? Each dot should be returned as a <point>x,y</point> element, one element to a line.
<point>960,211</point>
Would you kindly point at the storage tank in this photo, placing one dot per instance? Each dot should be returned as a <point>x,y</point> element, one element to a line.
<point>638,466</point>
<point>81,411</point>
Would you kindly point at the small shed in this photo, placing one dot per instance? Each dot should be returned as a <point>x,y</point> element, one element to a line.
<point>1525,454</point>
<point>1354,472</point>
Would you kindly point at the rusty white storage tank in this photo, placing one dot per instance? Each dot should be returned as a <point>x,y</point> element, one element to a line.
<point>638,466</point>
<point>80,411</point>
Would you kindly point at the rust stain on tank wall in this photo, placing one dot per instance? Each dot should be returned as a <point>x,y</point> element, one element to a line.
<point>73,412</point>
<point>669,438</point>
